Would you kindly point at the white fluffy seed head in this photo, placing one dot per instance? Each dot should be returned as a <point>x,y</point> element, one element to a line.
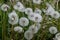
<point>31,16</point>
<point>18,29</point>
<point>33,29</point>
<point>5,7</point>
<point>28,11</point>
<point>38,26</point>
<point>50,9</point>
<point>53,30</point>
<point>13,18</point>
<point>19,6</point>
<point>37,18</point>
<point>57,36</point>
<point>38,11</point>
<point>37,1</point>
<point>28,35</point>
<point>23,21</point>
<point>55,15</point>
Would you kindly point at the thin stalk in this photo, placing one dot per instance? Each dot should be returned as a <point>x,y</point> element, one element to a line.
<point>57,5</point>
<point>1,25</point>
<point>23,3</point>
<point>16,36</point>
<point>4,27</point>
<point>11,36</point>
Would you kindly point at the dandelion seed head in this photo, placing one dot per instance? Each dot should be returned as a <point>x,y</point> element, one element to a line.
<point>55,15</point>
<point>23,21</point>
<point>31,16</point>
<point>19,6</point>
<point>28,35</point>
<point>37,1</point>
<point>57,36</point>
<point>33,29</point>
<point>53,30</point>
<point>38,11</point>
<point>28,11</point>
<point>13,18</point>
<point>37,18</point>
<point>5,7</point>
<point>18,29</point>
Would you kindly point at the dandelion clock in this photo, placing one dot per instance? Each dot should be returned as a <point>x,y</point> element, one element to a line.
<point>23,21</point>
<point>55,15</point>
<point>13,18</point>
<point>57,36</point>
<point>37,1</point>
<point>53,30</point>
<point>28,11</point>
<point>33,29</point>
<point>5,7</point>
<point>19,6</point>
<point>31,16</point>
<point>37,18</point>
<point>38,11</point>
<point>50,9</point>
<point>28,35</point>
<point>18,29</point>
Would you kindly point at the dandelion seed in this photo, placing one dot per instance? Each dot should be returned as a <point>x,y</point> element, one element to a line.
<point>53,30</point>
<point>37,18</point>
<point>13,18</point>
<point>28,35</point>
<point>31,16</point>
<point>37,1</point>
<point>28,11</point>
<point>55,15</point>
<point>50,9</point>
<point>33,29</point>
<point>38,26</point>
<point>23,21</point>
<point>5,7</point>
<point>18,29</point>
<point>19,6</point>
<point>57,36</point>
<point>38,11</point>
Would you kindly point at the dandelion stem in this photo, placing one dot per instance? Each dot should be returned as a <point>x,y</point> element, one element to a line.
<point>4,28</point>
<point>16,36</point>
<point>57,5</point>
<point>11,37</point>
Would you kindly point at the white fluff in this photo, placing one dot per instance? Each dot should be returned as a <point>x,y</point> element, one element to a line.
<point>37,1</point>
<point>23,21</point>
<point>57,36</point>
<point>5,7</point>
<point>31,16</point>
<point>38,25</point>
<point>50,9</point>
<point>28,35</point>
<point>18,29</point>
<point>28,11</point>
<point>55,15</point>
<point>38,11</point>
<point>53,30</point>
<point>13,18</point>
<point>37,18</point>
<point>33,29</point>
<point>19,6</point>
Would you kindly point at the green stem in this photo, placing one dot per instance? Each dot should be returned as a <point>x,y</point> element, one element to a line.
<point>11,36</point>
<point>4,27</point>
<point>57,5</point>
